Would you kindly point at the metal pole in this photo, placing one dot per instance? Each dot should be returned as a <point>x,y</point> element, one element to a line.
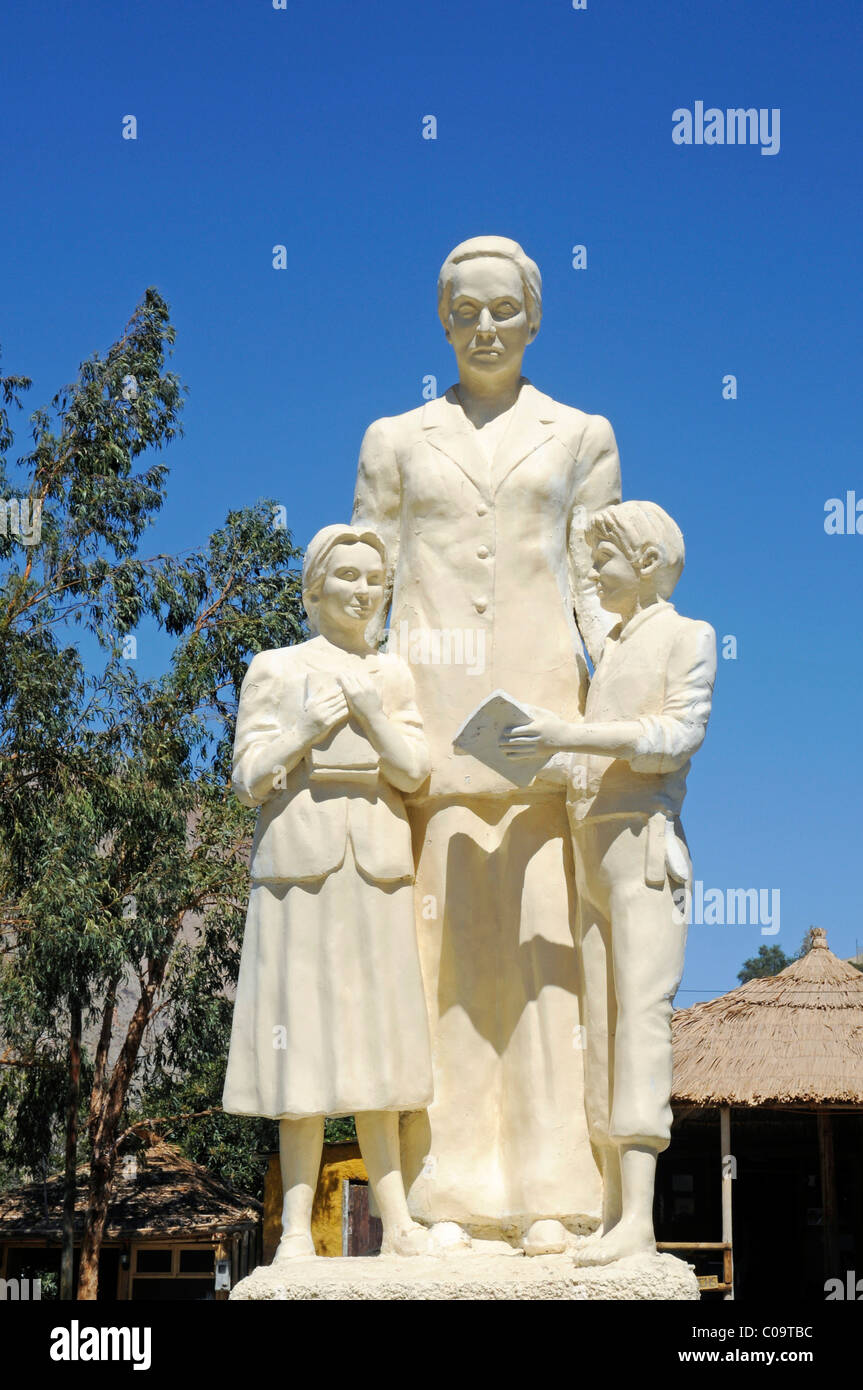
<point>346,1216</point>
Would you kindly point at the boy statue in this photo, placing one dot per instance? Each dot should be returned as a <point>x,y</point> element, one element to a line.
<point>646,714</point>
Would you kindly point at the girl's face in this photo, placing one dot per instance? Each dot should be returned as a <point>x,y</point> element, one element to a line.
<point>353,589</point>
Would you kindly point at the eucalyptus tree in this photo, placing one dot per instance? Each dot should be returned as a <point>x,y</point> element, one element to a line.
<point>117,825</point>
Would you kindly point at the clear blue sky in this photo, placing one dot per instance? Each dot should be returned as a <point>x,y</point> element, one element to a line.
<point>259,126</point>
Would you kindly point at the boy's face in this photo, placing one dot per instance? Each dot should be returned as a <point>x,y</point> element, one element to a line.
<point>617,578</point>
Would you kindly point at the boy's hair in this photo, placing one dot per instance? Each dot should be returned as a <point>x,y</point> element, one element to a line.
<point>633,525</point>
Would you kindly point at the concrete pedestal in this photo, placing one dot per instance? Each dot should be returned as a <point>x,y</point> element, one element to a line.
<point>468,1277</point>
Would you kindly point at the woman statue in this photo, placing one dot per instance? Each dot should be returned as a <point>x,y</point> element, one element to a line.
<point>330,1016</point>
<point>483,496</point>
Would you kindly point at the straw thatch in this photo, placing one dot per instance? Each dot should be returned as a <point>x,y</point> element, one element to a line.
<point>159,1193</point>
<point>792,1038</point>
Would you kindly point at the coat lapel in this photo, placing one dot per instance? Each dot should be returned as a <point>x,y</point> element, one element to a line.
<point>448,429</point>
<point>532,425</point>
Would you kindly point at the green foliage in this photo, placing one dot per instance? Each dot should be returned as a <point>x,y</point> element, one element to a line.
<point>235,1148</point>
<point>342,1131</point>
<point>31,1106</point>
<point>122,848</point>
<point>769,961</point>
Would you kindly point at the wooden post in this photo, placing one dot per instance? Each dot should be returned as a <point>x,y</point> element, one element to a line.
<point>222,1251</point>
<point>727,1180</point>
<point>828,1195</point>
<point>272,1231</point>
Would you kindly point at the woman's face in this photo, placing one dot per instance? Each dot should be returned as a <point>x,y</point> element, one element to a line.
<point>488,320</point>
<point>353,589</point>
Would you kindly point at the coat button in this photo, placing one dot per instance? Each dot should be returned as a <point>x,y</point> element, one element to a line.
<point>480,604</point>
<point>482,511</point>
<point>482,553</point>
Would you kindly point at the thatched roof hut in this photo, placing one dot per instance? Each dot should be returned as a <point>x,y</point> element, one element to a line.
<point>788,1042</point>
<point>792,1038</point>
<point>171,1225</point>
<point>158,1192</point>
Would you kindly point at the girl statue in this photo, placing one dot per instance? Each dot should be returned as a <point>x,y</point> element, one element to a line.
<point>330,1017</point>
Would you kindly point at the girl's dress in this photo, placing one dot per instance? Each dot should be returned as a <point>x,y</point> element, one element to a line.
<point>330,1017</point>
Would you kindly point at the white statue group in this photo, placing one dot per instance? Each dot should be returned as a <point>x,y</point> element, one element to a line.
<point>475,952</point>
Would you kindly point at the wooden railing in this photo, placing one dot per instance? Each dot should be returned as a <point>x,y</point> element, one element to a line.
<point>708,1282</point>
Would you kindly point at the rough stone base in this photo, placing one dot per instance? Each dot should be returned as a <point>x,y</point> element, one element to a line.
<point>649,1277</point>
